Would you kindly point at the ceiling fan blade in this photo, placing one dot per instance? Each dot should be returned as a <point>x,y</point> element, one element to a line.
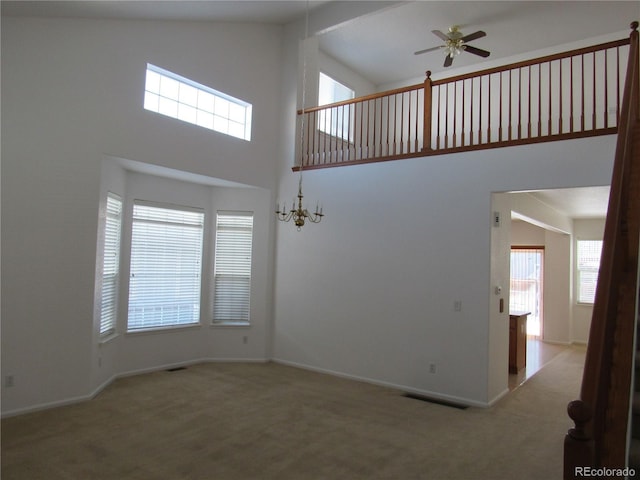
<point>474,36</point>
<point>476,51</point>
<point>448,60</point>
<point>420,52</point>
<point>440,35</point>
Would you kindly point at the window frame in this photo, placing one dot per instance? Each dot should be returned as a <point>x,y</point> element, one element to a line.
<point>181,98</point>
<point>242,307</point>
<point>195,268</point>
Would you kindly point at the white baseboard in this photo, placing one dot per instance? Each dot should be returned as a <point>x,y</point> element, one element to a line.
<point>426,393</point>
<point>130,373</point>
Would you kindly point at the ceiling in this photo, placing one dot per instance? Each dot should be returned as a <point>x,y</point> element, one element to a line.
<point>581,203</point>
<point>265,11</point>
<point>380,45</point>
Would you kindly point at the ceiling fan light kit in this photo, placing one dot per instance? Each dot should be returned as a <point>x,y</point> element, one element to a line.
<point>455,43</point>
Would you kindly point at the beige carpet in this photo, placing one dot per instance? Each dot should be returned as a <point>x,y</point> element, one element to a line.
<point>268,421</point>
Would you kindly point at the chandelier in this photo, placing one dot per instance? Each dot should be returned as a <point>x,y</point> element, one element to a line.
<point>298,213</point>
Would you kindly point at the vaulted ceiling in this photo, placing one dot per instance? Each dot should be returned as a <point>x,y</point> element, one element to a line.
<point>380,45</point>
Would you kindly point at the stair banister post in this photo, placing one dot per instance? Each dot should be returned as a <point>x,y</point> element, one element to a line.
<point>578,446</point>
<point>426,134</point>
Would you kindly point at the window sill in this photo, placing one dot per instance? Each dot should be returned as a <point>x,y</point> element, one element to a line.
<point>231,324</point>
<point>108,338</point>
<point>167,329</point>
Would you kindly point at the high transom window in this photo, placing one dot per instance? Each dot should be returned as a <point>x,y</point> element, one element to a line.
<point>170,94</point>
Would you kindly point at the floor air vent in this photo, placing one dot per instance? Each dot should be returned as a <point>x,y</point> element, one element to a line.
<point>175,369</point>
<point>424,398</point>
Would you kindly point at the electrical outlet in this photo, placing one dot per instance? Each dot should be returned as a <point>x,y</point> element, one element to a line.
<point>432,368</point>
<point>245,339</point>
<point>457,306</point>
<point>8,381</point>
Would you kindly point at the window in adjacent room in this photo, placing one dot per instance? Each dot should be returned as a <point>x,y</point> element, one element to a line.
<point>526,289</point>
<point>170,94</point>
<point>166,266</point>
<point>110,265</point>
<point>232,270</point>
<point>588,262</point>
<point>335,121</point>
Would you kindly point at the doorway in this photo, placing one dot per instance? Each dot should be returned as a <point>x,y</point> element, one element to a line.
<point>526,287</point>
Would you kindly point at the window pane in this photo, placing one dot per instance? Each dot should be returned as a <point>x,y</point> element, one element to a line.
<point>188,95</point>
<point>168,107</point>
<point>588,262</point>
<point>232,284</point>
<point>152,82</point>
<point>169,87</point>
<point>187,113</point>
<point>166,256</point>
<point>151,102</point>
<point>221,108</point>
<point>205,119</point>
<point>205,101</point>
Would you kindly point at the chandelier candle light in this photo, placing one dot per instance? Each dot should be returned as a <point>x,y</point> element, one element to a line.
<point>300,214</point>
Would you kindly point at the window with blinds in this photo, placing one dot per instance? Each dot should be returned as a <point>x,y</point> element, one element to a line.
<point>588,262</point>
<point>110,265</point>
<point>232,271</point>
<point>166,266</point>
<point>526,285</point>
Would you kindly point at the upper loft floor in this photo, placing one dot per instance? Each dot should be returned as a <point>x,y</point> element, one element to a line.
<point>555,97</point>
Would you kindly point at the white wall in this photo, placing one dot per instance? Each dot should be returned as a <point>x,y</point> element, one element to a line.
<point>369,292</point>
<point>72,92</point>
<point>374,292</point>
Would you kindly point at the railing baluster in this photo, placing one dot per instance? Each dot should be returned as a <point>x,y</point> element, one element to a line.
<point>560,98</point>
<point>489,112</point>
<point>540,100</point>
<point>529,102</point>
<point>593,126</point>
<point>438,121</point>
<point>550,95</point>
<point>571,98</point>
<point>417,147</point>
<point>606,90</point>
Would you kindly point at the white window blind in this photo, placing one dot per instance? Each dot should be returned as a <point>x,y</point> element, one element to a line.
<point>526,289</point>
<point>166,264</point>
<point>111,265</point>
<point>588,253</point>
<point>232,284</point>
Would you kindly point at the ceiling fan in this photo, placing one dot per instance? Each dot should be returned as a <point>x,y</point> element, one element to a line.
<point>455,43</point>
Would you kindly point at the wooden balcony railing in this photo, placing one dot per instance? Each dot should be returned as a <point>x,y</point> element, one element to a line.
<point>599,438</point>
<point>569,95</point>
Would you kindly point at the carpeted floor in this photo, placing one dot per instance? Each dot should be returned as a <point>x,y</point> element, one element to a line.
<point>269,421</point>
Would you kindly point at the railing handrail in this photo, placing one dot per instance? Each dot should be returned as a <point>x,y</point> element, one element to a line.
<point>365,98</point>
<point>465,76</point>
<point>534,61</point>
